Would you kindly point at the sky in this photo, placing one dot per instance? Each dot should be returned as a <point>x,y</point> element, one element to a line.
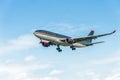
<point>23,58</point>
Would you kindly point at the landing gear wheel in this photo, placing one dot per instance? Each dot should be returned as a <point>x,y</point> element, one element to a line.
<point>58,48</point>
<point>72,47</point>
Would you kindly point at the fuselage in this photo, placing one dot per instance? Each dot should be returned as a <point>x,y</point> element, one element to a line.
<point>55,38</point>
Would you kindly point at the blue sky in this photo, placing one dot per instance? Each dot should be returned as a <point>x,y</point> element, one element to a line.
<point>22,58</point>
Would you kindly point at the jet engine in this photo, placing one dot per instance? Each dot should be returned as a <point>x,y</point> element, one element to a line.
<point>45,44</point>
<point>70,40</point>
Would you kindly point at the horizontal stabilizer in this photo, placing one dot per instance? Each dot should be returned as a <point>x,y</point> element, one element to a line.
<point>94,43</point>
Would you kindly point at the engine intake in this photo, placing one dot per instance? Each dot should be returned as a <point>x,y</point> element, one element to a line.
<point>45,44</point>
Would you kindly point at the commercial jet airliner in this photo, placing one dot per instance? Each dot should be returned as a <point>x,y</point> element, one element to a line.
<point>52,38</point>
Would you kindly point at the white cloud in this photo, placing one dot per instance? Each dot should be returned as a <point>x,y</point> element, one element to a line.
<point>93,75</point>
<point>109,65</point>
<point>49,78</point>
<point>21,68</point>
<point>40,78</point>
<point>115,58</point>
<point>113,77</point>
<point>89,75</point>
<point>56,72</point>
<point>107,60</point>
<point>30,58</point>
<point>21,72</point>
<point>9,61</point>
<point>114,74</point>
<point>21,43</point>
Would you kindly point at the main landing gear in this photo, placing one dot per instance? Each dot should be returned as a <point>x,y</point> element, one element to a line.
<point>58,48</point>
<point>72,47</point>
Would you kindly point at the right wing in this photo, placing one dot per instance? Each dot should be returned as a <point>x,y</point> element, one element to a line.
<point>89,37</point>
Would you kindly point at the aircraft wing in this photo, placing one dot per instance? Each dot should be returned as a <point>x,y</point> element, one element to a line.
<point>90,37</point>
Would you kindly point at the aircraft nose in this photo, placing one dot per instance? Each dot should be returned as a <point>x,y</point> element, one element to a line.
<point>34,33</point>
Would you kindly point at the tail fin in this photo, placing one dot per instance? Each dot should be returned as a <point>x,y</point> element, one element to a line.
<point>89,41</point>
<point>90,34</point>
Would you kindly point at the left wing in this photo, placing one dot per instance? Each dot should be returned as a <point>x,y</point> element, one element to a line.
<point>90,37</point>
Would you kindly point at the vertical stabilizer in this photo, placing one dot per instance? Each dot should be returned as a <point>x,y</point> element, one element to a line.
<point>89,41</point>
<point>91,33</point>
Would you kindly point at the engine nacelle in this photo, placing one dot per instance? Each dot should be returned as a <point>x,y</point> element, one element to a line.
<point>70,40</point>
<point>45,44</point>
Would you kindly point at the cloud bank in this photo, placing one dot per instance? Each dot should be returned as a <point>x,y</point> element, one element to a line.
<point>21,43</point>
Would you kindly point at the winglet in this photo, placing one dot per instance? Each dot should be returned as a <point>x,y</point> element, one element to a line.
<point>113,31</point>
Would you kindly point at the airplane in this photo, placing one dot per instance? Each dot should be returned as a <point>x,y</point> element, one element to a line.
<point>51,38</point>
